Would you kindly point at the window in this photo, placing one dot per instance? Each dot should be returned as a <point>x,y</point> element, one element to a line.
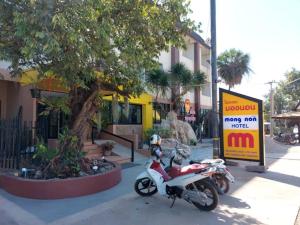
<point>160,111</point>
<point>134,114</point>
<point>51,125</point>
<point>189,51</point>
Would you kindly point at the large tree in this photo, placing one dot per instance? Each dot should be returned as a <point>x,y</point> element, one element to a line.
<point>286,94</point>
<point>232,65</point>
<point>90,45</point>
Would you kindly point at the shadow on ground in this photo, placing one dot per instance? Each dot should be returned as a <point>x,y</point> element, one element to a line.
<point>182,213</point>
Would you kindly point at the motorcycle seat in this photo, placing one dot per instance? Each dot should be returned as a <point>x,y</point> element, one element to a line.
<point>176,171</point>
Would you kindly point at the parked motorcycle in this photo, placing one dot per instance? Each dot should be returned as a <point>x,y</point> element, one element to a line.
<point>220,174</point>
<point>287,138</point>
<point>191,183</point>
<point>215,168</point>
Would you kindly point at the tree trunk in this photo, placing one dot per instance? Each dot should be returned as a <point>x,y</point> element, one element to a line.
<point>175,99</point>
<point>84,106</point>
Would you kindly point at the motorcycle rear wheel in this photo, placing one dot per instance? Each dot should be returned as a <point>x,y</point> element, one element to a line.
<point>145,187</point>
<point>222,183</point>
<point>211,193</point>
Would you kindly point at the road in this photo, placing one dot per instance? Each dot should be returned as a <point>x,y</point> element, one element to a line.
<point>270,198</point>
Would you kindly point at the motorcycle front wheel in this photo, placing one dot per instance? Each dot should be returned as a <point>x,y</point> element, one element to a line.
<point>145,187</point>
<point>292,141</point>
<point>212,196</point>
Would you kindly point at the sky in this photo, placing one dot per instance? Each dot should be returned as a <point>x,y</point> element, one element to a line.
<point>268,30</point>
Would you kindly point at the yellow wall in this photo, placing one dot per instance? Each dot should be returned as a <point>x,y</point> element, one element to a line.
<point>31,76</point>
<point>147,111</point>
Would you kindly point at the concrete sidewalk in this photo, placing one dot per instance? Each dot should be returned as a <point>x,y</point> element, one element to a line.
<point>269,198</point>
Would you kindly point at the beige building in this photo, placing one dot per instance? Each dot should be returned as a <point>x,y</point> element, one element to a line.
<point>195,57</point>
<point>13,95</point>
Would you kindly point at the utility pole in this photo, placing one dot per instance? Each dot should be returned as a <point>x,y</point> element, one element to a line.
<point>271,107</point>
<point>215,119</point>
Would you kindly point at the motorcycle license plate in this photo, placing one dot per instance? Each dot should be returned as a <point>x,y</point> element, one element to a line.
<point>229,177</point>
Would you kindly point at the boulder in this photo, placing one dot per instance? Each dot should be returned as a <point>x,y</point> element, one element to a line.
<point>179,129</point>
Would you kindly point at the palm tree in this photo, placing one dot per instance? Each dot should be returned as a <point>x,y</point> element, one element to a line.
<point>232,66</point>
<point>158,82</point>
<point>182,80</point>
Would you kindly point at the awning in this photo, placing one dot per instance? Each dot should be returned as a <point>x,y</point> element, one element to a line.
<point>289,115</point>
<point>30,77</point>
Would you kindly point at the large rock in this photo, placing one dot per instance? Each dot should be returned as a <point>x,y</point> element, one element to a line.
<point>179,130</point>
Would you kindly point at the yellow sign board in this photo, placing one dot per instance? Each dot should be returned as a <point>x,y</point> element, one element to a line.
<point>241,127</point>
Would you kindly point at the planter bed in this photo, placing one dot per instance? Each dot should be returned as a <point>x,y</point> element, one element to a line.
<point>60,188</point>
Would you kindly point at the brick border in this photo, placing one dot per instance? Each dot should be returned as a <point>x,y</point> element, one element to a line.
<point>60,188</point>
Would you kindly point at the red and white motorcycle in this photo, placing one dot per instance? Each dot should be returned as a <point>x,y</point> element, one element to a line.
<point>219,173</point>
<point>191,183</point>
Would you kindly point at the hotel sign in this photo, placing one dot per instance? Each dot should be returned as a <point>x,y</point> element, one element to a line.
<point>241,127</point>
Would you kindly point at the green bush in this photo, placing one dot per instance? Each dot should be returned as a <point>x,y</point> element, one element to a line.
<point>162,132</point>
<point>70,162</point>
<point>43,154</point>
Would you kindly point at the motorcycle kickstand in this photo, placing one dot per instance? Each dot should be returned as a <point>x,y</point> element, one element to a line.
<point>173,198</point>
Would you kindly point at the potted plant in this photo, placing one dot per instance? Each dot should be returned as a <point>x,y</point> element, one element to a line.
<point>107,148</point>
<point>35,93</point>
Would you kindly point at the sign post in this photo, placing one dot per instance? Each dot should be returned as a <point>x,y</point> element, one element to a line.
<point>241,127</point>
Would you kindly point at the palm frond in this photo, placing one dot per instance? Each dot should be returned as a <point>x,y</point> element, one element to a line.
<point>232,66</point>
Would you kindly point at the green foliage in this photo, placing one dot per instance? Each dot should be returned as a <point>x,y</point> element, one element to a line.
<point>182,80</point>
<point>90,46</point>
<point>232,65</point>
<point>158,81</point>
<point>286,94</point>
<point>43,154</point>
<point>180,75</point>
<point>199,78</point>
<point>162,132</point>
<point>72,39</point>
<point>70,160</point>
<point>106,117</point>
<point>55,104</point>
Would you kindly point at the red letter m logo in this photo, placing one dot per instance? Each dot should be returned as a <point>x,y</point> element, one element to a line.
<point>240,140</point>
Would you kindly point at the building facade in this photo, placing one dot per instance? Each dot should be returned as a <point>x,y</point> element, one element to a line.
<point>131,122</point>
<point>197,103</point>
